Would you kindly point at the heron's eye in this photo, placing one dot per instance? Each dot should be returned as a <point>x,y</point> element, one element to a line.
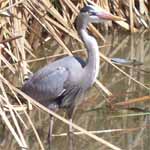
<point>92,13</point>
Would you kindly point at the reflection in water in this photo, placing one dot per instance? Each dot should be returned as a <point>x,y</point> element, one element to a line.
<point>133,131</point>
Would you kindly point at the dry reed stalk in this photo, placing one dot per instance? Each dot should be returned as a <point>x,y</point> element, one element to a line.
<point>18,136</point>
<point>130,77</point>
<point>141,6</point>
<point>65,27</point>
<point>20,45</point>
<point>10,6</point>
<point>139,17</point>
<point>50,30</point>
<point>69,31</point>
<point>9,106</point>
<point>10,39</point>
<point>103,88</point>
<point>8,52</point>
<point>19,28</point>
<point>17,109</point>
<point>133,101</point>
<point>125,116</point>
<point>29,49</point>
<point>50,8</point>
<point>6,62</point>
<point>26,114</point>
<point>127,130</point>
<point>7,122</point>
<point>35,132</point>
<point>18,129</point>
<point>49,57</point>
<point>131,15</point>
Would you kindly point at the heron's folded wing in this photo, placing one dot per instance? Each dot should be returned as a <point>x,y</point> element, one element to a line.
<point>45,85</point>
<point>72,96</point>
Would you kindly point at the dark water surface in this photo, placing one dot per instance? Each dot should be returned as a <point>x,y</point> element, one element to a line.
<point>127,128</point>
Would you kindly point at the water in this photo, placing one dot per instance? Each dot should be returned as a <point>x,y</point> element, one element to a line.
<point>129,132</point>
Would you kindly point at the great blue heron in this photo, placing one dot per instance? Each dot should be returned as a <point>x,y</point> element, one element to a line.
<point>62,84</point>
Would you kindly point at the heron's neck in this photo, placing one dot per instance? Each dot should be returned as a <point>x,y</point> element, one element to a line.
<point>92,66</point>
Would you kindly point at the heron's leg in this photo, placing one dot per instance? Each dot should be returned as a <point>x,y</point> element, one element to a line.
<point>51,123</point>
<point>54,107</point>
<point>70,132</point>
<point>70,136</point>
<point>70,126</point>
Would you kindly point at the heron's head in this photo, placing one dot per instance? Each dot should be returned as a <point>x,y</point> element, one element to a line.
<point>94,14</point>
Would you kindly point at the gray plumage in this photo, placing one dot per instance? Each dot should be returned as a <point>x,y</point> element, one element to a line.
<point>57,82</point>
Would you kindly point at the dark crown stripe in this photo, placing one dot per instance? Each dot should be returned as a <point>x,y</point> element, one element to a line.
<point>87,8</point>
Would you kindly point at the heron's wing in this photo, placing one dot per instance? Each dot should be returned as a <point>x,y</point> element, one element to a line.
<point>46,84</point>
<point>72,97</point>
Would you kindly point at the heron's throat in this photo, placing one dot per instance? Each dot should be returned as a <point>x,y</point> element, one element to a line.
<point>92,66</point>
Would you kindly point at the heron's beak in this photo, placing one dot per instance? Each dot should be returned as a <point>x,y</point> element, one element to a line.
<point>108,16</point>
